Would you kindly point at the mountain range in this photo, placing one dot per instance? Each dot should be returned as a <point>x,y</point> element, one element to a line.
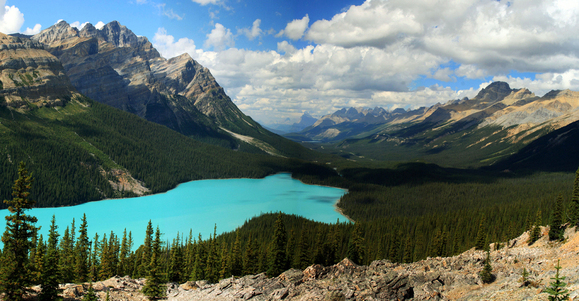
<point>114,66</point>
<point>493,125</point>
<point>80,150</point>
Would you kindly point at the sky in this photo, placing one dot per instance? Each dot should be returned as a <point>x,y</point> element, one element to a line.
<point>279,59</point>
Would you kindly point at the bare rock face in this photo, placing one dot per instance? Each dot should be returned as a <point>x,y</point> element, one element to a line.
<point>440,278</point>
<point>114,66</point>
<point>30,76</point>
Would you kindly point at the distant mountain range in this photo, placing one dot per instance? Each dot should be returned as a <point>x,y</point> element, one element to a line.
<point>468,132</point>
<point>306,120</point>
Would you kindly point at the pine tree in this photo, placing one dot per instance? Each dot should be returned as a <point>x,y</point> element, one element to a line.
<point>557,291</point>
<point>395,245</point>
<point>189,255</point>
<point>574,214</point>
<point>198,272</point>
<point>408,250</point>
<point>81,253</point>
<point>481,235</point>
<point>250,258</point>
<point>155,288</point>
<point>236,259</point>
<point>486,274</point>
<point>556,232</point>
<point>356,245</point>
<point>15,276</point>
<point>212,264</point>
<point>536,232</point>
<point>124,253</point>
<point>278,263</point>
<point>90,294</point>
<point>303,256</point>
<point>176,261</point>
<point>66,253</point>
<point>146,259</point>
<point>225,271</point>
<point>39,259</point>
<point>94,262</point>
<point>49,277</point>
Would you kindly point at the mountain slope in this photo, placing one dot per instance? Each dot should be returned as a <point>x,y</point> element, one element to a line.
<point>480,131</point>
<point>114,66</point>
<point>555,151</point>
<point>80,150</point>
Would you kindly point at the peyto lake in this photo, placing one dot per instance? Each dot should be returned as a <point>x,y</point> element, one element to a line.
<point>198,205</point>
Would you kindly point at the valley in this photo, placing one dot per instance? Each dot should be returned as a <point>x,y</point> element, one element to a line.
<point>98,114</point>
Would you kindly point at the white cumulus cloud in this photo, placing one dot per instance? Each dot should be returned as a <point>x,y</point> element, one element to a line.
<point>99,25</point>
<point>219,38</point>
<point>11,19</point>
<point>32,31</point>
<point>253,32</point>
<point>168,47</point>
<point>370,54</point>
<point>206,2</point>
<point>295,29</point>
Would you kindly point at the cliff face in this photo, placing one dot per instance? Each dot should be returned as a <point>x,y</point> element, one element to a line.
<point>30,75</point>
<point>114,66</point>
<point>441,278</point>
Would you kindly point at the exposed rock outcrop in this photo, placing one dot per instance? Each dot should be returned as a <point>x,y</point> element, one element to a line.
<point>30,76</point>
<point>114,66</point>
<point>440,278</point>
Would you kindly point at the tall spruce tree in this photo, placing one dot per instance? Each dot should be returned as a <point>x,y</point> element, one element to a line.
<point>94,259</point>
<point>198,271</point>
<point>49,278</point>
<point>481,235</point>
<point>556,231</point>
<point>39,259</point>
<point>236,259</point>
<point>81,252</point>
<point>146,257</point>
<point>66,265</point>
<point>176,261</point>
<point>15,276</point>
<point>574,214</point>
<point>356,250</point>
<point>123,256</point>
<point>250,257</point>
<point>278,258</point>
<point>155,288</point>
<point>536,231</point>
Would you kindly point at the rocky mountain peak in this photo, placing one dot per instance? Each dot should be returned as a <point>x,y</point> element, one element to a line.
<point>88,31</point>
<point>118,35</point>
<point>56,33</point>
<point>494,92</point>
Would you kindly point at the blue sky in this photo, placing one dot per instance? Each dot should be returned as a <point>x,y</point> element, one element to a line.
<point>279,59</point>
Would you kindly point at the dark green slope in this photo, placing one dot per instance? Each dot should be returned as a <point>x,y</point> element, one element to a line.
<point>74,150</point>
<point>556,151</point>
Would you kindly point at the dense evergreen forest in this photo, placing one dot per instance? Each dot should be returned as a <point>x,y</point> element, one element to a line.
<point>405,226</point>
<point>73,150</point>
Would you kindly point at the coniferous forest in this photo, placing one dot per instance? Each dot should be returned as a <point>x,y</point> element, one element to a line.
<point>498,211</point>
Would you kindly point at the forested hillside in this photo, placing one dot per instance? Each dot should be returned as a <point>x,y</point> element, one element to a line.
<point>78,152</point>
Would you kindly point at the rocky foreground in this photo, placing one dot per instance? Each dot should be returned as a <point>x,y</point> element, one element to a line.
<point>441,278</point>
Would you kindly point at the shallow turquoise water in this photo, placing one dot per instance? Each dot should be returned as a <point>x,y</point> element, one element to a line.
<point>198,205</point>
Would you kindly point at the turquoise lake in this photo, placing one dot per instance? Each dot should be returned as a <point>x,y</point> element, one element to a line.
<point>198,205</point>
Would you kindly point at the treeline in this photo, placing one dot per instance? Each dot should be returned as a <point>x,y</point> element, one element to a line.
<point>70,151</point>
<point>255,248</point>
